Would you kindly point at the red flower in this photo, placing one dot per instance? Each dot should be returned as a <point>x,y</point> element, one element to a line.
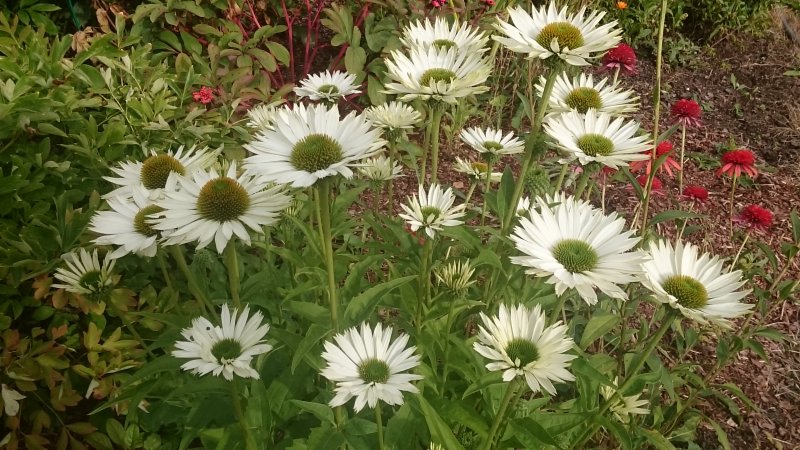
<point>664,148</point>
<point>736,162</point>
<point>438,3</point>
<point>489,2</point>
<point>756,217</point>
<point>687,112</point>
<point>621,56</point>
<point>695,193</point>
<point>205,95</point>
<point>658,187</point>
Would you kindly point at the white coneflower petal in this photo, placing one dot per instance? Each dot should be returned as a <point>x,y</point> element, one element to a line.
<point>393,116</point>
<point>84,274</point>
<point>491,142</point>
<point>594,137</point>
<point>694,284</point>
<point>226,350</point>
<point>154,172</point>
<point>366,364</point>
<point>329,86</point>
<point>456,275</point>
<point>578,247</point>
<point>623,406</point>
<point>441,35</point>
<point>476,170</point>
<point>309,143</point>
<point>520,345</point>
<point>212,207</point>
<point>434,74</point>
<point>581,93</point>
<point>547,32</point>
<point>432,210</point>
<point>380,168</point>
<point>128,224</point>
<point>261,116</point>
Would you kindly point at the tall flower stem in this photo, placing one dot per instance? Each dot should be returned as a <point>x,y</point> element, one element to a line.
<point>379,423</point>
<point>511,392</point>
<point>436,121</point>
<point>734,179</point>
<point>390,187</point>
<point>656,111</point>
<point>162,263</point>
<point>487,185</point>
<point>530,148</point>
<point>249,442</point>
<point>191,281</point>
<point>470,192</point>
<point>232,266</point>
<point>739,253</point>
<point>424,282</point>
<point>631,374</point>
<point>448,326</point>
<point>324,216</point>
<point>616,75</point>
<point>683,150</point>
<point>562,300</point>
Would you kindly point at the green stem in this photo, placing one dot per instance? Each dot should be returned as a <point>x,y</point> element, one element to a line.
<point>739,253</point>
<point>561,175</point>
<point>129,326</point>
<point>672,313</point>
<point>447,344</point>
<point>424,282</point>
<point>683,149</point>
<point>583,181</point>
<point>177,254</point>
<point>511,392</point>
<point>656,111</point>
<point>249,442</point>
<point>324,216</point>
<point>616,75</point>
<point>379,423</point>
<point>162,263</point>
<point>530,149</point>
<point>436,121</point>
<point>562,300</point>
<point>486,188</point>
<point>232,265</point>
<point>390,188</point>
<point>734,179</point>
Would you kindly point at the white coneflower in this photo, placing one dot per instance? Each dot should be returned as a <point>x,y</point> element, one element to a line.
<point>368,365</point>
<point>593,137</point>
<point>380,168</point>
<point>476,170</point>
<point>547,32</point>
<point>623,406</point>
<point>438,75</point>
<point>128,224</point>
<point>211,207</point>
<point>153,173</point>
<point>694,284</point>
<point>432,210</point>
<point>456,275</point>
<point>85,274</point>
<point>261,116</point>
<point>523,206</point>
<point>519,344</point>
<point>442,35</point>
<point>309,143</point>
<point>578,247</point>
<point>225,350</point>
<point>393,116</point>
<point>581,93</point>
<point>329,86</point>
<point>491,143</point>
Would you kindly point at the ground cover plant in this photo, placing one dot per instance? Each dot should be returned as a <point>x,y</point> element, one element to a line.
<point>230,225</point>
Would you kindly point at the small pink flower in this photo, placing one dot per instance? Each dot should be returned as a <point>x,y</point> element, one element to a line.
<point>669,164</point>
<point>697,194</point>
<point>687,112</point>
<point>205,95</point>
<point>658,186</point>
<point>736,162</point>
<point>754,217</point>
<point>621,56</point>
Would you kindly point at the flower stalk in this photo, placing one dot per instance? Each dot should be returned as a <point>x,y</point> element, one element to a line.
<point>249,442</point>
<point>511,393</point>
<point>323,188</point>
<point>191,281</point>
<point>683,150</point>
<point>232,266</point>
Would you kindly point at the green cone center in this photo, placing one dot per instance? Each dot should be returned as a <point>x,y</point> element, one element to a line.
<point>436,75</point>
<point>315,152</point>
<point>226,350</point>
<point>593,144</point>
<point>156,170</point>
<point>444,43</point>
<point>575,255</point>
<point>92,280</point>
<point>480,167</point>
<point>328,89</point>
<point>222,199</point>
<point>689,292</point>
<point>522,350</point>
<point>140,223</point>
<point>566,34</point>
<point>583,98</point>
<point>492,146</point>
<point>431,212</point>
<point>374,371</point>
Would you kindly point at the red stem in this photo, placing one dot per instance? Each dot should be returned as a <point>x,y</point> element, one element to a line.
<point>306,61</point>
<point>289,26</point>
<point>253,13</point>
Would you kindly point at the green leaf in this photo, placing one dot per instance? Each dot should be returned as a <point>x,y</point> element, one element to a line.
<point>672,215</point>
<point>314,336</point>
<point>600,324</point>
<point>322,412</point>
<point>531,434</point>
<point>354,59</point>
<point>795,227</point>
<point>657,439</point>
<point>722,436</point>
<point>363,305</point>
<point>622,435</point>
<point>264,58</point>
<point>484,381</point>
<point>505,194</point>
<point>439,430</point>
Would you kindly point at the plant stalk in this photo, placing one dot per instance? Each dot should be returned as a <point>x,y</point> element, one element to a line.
<point>379,423</point>
<point>324,216</point>
<point>249,442</point>
<point>436,120</point>
<point>232,265</point>
<point>191,281</point>
<point>511,392</point>
<point>683,150</point>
